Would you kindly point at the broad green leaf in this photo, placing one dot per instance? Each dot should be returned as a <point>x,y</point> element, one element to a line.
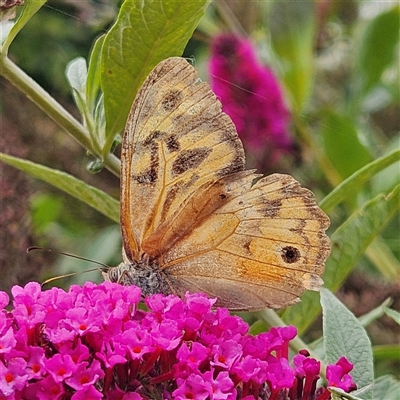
<point>292,33</point>
<point>344,336</point>
<point>386,388</point>
<point>353,183</point>
<point>30,8</point>
<point>342,145</point>
<point>377,49</point>
<point>349,242</point>
<point>145,33</point>
<point>90,195</point>
<point>93,82</point>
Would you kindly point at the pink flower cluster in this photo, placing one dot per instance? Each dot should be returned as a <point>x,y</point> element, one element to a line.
<point>251,96</point>
<point>95,343</point>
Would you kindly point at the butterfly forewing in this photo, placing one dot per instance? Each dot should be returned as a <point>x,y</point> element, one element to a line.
<point>176,140</point>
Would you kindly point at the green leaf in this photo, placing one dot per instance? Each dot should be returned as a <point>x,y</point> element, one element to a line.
<point>30,8</point>
<point>93,112</point>
<point>76,73</point>
<point>344,336</point>
<point>353,183</point>
<point>352,238</point>
<point>377,48</point>
<point>90,195</point>
<point>5,28</point>
<point>145,33</point>
<point>342,145</point>
<point>386,388</point>
<point>100,122</point>
<point>93,81</point>
<point>292,33</point>
<point>349,242</point>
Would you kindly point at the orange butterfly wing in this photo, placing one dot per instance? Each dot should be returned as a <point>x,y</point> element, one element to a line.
<point>193,220</point>
<point>263,247</point>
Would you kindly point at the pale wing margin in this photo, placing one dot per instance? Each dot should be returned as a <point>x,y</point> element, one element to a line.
<point>262,248</point>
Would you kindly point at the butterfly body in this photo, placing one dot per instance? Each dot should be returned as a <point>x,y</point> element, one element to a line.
<point>145,274</point>
<point>193,219</point>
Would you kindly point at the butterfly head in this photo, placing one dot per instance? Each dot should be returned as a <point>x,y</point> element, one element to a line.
<point>145,274</point>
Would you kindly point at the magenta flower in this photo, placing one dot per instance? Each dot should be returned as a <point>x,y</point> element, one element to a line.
<point>338,375</point>
<point>13,376</point>
<point>85,376</point>
<point>194,356</point>
<point>251,96</point>
<point>94,343</point>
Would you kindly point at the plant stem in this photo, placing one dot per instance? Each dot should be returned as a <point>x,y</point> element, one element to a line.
<point>327,167</point>
<point>54,110</point>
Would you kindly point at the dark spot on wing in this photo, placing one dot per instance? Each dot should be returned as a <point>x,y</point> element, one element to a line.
<point>236,165</point>
<point>271,208</point>
<point>155,135</point>
<point>170,197</point>
<point>228,134</point>
<point>150,175</point>
<point>299,229</point>
<point>189,159</point>
<point>290,254</point>
<point>193,179</point>
<point>147,177</point>
<point>171,100</point>
<point>172,143</point>
<point>246,246</point>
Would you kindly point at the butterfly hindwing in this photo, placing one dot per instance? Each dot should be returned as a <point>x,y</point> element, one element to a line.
<point>263,247</point>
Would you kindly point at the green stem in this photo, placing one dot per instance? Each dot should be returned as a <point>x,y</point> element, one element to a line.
<point>53,109</point>
<point>230,19</point>
<point>329,170</point>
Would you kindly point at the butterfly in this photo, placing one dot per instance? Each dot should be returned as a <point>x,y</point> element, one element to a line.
<point>193,219</point>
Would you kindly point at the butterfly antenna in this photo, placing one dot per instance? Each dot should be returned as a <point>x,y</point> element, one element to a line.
<point>104,266</point>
